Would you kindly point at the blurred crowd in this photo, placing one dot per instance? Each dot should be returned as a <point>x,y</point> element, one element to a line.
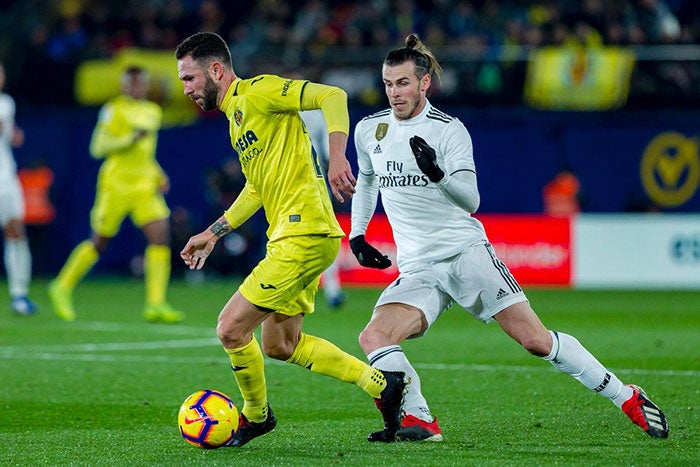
<point>326,38</point>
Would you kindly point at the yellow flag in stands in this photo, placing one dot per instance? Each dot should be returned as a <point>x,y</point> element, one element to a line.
<point>578,78</point>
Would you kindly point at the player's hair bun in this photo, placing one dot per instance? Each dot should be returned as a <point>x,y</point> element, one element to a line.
<point>412,40</point>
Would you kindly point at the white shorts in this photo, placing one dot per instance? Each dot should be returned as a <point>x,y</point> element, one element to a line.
<point>475,279</point>
<point>11,201</point>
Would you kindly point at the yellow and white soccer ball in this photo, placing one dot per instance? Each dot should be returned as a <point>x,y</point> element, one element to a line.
<point>208,419</point>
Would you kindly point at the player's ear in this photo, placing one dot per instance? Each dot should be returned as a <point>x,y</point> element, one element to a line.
<point>425,82</point>
<point>217,70</point>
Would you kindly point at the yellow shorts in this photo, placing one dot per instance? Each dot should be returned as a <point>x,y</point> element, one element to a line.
<point>111,208</point>
<point>286,280</point>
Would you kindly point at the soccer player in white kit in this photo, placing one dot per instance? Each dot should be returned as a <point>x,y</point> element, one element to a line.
<point>316,126</point>
<point>420,160</point>
<point>17,257</point>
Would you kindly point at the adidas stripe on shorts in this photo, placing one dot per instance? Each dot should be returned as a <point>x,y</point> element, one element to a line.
<point>475,279</point>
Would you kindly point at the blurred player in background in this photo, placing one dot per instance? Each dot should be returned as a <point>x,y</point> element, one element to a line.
<point>330,279</point>
<point>420,160</point>
<point>17,257</point>
<point>284,178</point>
<point>130,183</point>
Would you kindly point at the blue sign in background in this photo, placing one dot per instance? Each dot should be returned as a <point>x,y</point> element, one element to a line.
<point>516,153</point>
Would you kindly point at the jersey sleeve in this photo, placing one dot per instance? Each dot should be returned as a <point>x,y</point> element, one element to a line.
<point>364,201</point>
<point>245,205</point>
<point>273,93</point>
<point>456,147</point>
<point>332,101</point>
<point>364,163</point>
<point>459,184</point>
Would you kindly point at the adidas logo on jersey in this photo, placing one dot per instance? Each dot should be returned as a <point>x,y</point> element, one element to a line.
<point>501,293</point>
<point>377,149</point>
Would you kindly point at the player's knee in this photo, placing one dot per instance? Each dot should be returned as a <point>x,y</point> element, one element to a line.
<point>228,336</point>
<point>539,344</point>
<point>14,230</point>
<point>371,338</point>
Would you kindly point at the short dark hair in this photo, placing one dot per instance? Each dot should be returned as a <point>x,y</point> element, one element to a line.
<point>134,70</point>
<point>205,46</point>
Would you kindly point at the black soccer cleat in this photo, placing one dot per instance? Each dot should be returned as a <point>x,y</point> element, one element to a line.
<point>645,414</point>
<point>389,404</point>
<point>248,430</point>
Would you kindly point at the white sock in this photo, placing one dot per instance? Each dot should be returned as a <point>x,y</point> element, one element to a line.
<point>392,358</point>
<point>18,264</point>
<point>570,357</point>
<point>331,281</point>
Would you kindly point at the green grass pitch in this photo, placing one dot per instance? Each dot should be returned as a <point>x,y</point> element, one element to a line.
<point>105,389</point>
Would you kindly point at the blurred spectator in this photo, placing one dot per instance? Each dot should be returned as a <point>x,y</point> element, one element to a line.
<point>318,131</point>
<point>16,253</point>
<point>344,37</point>
<point>561,196</point>
<point>39,212</point>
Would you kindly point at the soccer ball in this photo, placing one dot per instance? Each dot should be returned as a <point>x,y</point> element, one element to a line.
<point>208,419</point>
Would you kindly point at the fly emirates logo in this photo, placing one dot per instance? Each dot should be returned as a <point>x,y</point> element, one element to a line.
<point>394,177</point>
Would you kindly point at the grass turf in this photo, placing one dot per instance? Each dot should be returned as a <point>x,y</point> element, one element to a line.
<point>105,389</point>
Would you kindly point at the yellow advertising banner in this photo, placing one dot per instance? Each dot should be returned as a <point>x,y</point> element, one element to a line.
<point>97,80</point>
<point>578,78</point>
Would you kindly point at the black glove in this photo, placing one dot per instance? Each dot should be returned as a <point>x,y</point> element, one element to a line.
<point>425,158</point>
<point>367,255</point>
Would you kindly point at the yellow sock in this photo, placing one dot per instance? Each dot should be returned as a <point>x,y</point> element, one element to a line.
<point>249,370</point>
<point>157,272</point>
<point>82,258</point>
<point>320,356</point>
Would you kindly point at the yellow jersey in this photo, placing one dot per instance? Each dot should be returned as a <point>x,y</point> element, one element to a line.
<point>281,169</point>
<point>129,165</point>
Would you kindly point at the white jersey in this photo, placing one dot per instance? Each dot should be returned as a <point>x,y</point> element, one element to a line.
<point>426,224</point>
<point>8,168</point>
<point>315,124</point>
<point>11,200</point>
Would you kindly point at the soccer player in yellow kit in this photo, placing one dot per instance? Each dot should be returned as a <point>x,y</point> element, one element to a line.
<point>282,177</point>
<point>130,183</point>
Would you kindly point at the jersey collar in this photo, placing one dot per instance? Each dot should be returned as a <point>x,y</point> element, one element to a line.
<point>414,120</point>
<point>227,102</point>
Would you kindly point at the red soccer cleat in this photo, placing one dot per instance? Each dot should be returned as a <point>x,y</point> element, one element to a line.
<point>415,429</point>
<point>645,413</point>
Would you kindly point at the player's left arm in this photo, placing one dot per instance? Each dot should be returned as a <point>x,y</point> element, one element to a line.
<point>454,173</point>
<point>333,102</point>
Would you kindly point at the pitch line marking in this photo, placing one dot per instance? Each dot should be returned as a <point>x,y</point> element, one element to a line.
<point>67,353</point>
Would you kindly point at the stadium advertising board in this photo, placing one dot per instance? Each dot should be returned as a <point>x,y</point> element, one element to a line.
<point>637,251</point>
<point>536,249</point>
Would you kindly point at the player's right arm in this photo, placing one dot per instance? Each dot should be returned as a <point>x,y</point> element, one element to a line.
<point>245,205</point>
<point>364,204</point>
<point>200,246</point>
